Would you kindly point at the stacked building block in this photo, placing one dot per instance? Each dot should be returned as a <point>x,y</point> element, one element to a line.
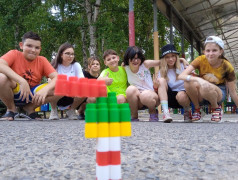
<point>105,120</point>
<point>79,87</point>
<point>108,121</point>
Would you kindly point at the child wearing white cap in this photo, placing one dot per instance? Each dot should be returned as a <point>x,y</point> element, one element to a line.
<point>215,75</point>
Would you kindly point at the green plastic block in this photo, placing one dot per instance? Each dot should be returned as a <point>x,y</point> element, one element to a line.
<point>91,115</point>
<point>125,112</point>
<point>102,112</point>
<point>112,98</point>
<point>114,113</point>
<point>101,100</point>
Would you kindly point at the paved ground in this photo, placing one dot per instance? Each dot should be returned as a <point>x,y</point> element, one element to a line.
<point>58,150</point>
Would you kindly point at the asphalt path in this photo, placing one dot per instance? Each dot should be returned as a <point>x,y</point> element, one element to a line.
<point>58,150</point>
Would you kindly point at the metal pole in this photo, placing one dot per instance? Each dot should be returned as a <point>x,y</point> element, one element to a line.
<point>182,43</point>
<point>131,23</point>
<point>171,26</point>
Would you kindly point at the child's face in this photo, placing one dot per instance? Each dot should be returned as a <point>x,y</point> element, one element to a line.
<point>95,66</point>
<point>170,59</point>
<point>212,52</point>
<point>135,62</point>
<point>111,61</point>
<point>31,49</point>
<point>67,56</point>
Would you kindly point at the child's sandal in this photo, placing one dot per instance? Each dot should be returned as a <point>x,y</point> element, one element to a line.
<point>196,116</point>
<point>216,114</point>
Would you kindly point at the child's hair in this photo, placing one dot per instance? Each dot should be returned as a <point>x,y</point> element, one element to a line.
<point>109,52</point>
<point>131,52</point>
<point>31,35</point>
<point>58,59</point>
<point>93,58</point>
<point>163,68</point>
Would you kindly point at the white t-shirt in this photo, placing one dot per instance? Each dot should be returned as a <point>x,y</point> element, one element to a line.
<point>74,69</point>
<point>142,79</point>
<point>175,85</point>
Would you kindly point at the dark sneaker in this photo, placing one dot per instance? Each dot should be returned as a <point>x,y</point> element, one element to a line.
<point>135,120</point>
<point>81,117</point>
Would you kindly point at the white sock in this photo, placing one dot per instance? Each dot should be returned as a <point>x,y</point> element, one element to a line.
<point>164,105</point>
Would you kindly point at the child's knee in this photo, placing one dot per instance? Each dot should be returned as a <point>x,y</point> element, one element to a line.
<point>131,90</point>
<point>121,99</point>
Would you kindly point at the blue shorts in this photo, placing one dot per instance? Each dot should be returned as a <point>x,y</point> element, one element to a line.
<point>223,90</point>
<point>16,91</point>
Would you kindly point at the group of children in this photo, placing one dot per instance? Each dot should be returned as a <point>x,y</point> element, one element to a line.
<point>174,86</point>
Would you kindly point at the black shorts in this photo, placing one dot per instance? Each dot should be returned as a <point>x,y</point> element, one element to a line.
<point>65,101</point>
<point>172,101</point>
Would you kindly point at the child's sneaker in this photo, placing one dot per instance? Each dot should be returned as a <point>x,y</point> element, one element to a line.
<point>154,117</point>
<point>135,120</point>
<point>54,114</point>
<point>81,117</point>
<point>216,114</point>
<point>71,114</point>
<point>196,116</point>
<point>187,116</point>
<point>167,118</point>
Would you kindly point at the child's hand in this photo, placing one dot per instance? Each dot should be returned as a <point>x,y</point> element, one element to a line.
<point>25,91</point>
<point>107,80</point>
<point>185,63</point>
<point>155,81</point>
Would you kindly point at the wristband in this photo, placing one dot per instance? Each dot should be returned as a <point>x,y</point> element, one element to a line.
<point>188,78</point>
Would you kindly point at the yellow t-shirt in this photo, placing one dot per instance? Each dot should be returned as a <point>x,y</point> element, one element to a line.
<point>223,73</point>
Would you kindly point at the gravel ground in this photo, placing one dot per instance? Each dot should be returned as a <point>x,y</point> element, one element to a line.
<point>58,150</point>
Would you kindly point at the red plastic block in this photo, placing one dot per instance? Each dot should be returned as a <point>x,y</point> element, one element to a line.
<point>93,88</point>
<point>73,86</point>
<point>61,85</point>
<point>102,88</point>
<point>108,158</point>
<point>79,87</point>
<point>83,87</point>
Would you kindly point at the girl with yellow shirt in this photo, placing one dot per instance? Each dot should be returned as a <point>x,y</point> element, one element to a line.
<point>215,75</point>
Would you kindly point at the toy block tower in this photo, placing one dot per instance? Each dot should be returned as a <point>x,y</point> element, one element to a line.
<point>108,121</point>
<point>105,120</point>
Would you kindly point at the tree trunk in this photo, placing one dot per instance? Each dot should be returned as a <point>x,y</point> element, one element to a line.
<point>84,47</point>
<point>92,11</point>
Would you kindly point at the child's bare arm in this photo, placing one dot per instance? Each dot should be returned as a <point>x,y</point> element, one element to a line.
<point>151,63</point>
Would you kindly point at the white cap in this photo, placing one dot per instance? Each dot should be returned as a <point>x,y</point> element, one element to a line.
<point>215,39</point>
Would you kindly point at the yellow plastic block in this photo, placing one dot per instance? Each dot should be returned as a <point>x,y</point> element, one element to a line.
<point>114,129</point>
<point>91,130</point>
<point>125,128</point>
<point>103,129</point>
<point>37,109</point>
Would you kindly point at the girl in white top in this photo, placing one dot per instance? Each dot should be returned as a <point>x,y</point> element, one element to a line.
<point>171,90</point>
<point>140,92</point>
<point>65,63</point>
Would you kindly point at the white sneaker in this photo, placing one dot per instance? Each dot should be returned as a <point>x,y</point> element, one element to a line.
<point>167,118</point>
<point>71,114</point>
<point>54,114</point>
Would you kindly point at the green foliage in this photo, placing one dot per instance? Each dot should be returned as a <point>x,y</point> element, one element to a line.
<point>58,21</point>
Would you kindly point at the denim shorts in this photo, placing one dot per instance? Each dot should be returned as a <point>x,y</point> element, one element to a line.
<point>223,90</point>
